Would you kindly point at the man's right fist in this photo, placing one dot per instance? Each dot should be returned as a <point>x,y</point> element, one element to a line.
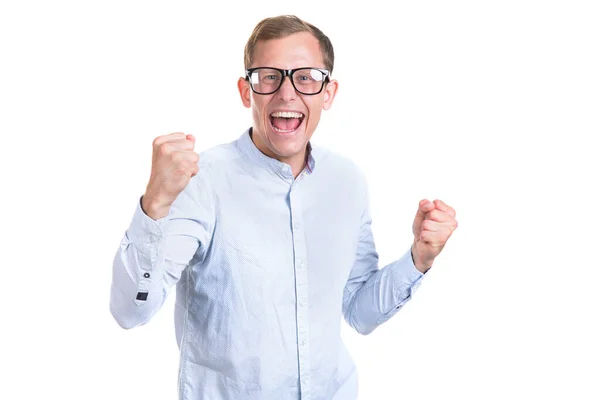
<point>174,162</point>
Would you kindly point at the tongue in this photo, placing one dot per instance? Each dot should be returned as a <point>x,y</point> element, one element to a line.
<point>286,124</point>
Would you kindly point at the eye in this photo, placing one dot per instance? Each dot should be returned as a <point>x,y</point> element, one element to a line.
<point>303,78</point>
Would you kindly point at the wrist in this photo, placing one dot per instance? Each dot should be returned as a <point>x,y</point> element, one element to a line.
<point>421,264</point>
<point>154,208</point>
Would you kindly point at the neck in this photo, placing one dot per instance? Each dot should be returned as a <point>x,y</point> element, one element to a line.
<point>297,162</point>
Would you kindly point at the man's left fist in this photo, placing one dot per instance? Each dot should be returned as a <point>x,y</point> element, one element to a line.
<point>434,223</point>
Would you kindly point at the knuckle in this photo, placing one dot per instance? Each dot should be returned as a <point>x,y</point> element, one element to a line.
<point>435,215</point>
<point>157,141</point>
<point>185,167</point>
<point>189,156</point>
<point>177,157</point>
<point>164,149</point>
<point>181,169</point>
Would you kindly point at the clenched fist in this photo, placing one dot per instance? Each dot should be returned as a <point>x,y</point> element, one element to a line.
<point>433,225</point>
<point>174,162</point>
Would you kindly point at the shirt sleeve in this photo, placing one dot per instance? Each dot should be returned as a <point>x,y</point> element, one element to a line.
<point>153,253</point>
<point>373,295</point>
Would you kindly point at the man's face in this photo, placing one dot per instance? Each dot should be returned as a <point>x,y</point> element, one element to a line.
<point>286,138</point>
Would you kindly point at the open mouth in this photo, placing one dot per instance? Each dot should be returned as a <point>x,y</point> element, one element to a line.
<point>286,121</point>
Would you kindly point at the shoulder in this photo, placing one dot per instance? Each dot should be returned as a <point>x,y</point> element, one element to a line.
<point>338,164</point>
<point>219,155</point>
<point>214,163</point>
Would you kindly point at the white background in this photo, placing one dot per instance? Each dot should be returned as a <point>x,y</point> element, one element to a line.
<point>493,107</point>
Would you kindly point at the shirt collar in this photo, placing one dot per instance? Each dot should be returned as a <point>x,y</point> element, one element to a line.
<point>282,169</point>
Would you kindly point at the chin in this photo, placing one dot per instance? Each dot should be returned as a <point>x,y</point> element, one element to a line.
<point>288,150</point>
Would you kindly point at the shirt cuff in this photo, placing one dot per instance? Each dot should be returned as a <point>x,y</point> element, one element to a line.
<point>408,278</point>
<point>143,229</point>
<point>407,269</point>
<point>147,236</point>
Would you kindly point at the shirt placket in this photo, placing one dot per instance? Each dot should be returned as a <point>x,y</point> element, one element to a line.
<point>301,274</point>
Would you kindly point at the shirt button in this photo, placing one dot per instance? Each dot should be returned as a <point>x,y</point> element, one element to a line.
<point>146,275</point>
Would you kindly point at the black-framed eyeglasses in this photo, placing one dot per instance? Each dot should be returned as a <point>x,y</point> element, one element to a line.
<point>306,80</point>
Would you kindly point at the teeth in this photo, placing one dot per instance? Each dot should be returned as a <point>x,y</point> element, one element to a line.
<point>282,130</point>
<point>286,114</point>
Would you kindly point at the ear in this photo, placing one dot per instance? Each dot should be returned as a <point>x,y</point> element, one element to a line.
<point>330,91</point>
<point>244,88</point>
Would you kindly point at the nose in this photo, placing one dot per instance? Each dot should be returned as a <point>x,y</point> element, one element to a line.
<point>286,91</point>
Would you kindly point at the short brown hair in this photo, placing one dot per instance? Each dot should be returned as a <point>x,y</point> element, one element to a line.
<point>284,25</point>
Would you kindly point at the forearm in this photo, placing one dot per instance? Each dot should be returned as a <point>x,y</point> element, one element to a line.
<point>145,267</point>
<point>382,295</point>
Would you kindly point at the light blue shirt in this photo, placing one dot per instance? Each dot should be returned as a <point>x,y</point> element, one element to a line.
<point>265,265</point>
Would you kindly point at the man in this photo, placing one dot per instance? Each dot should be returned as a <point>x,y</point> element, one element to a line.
<point>268,240</point>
